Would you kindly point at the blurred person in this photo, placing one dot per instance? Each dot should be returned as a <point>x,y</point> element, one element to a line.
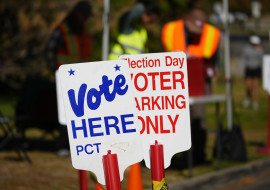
<point>69,43</point>
<point>132,37</point>
<point>251,63</point>
<point>196,38</point>
<point>200,41</point>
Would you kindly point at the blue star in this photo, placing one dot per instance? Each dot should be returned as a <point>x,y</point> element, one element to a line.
<point>71,72</point>
<point>117,68</point>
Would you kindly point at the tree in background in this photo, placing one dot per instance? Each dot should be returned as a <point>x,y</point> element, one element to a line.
<point>26,26</point>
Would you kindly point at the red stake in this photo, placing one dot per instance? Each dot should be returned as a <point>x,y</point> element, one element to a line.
<point>111,171</point>
<point>82,179</point>
<point>266,150</point>
<point>157,167</point>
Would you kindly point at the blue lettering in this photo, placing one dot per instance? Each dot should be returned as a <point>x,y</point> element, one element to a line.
<point>86,149</point>
<point>93,93</point>
<point>94,96</point>
<point>92,127</point>
<point>97,144</point>
<point>79,150</point>
<point>78,109</point>
<point>125,123</point>
<point>114,124</point>
<point>108,125</point>
<point>74,128</point>
<point>119,82</point>
<point>105,88</point>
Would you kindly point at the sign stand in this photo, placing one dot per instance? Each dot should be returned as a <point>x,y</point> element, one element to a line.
<point>111,171</point>
<point>159,87</point>
<point>266,150</point>
<point>157,167</point>
<point>82,179</point>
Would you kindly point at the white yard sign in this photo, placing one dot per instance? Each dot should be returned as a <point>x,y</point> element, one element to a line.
<point>100,115</point>
<point>162,101</point>
<point>266,73</point>
<point>60,104</point>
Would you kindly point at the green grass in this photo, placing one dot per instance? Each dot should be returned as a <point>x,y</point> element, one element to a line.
<point>253,123</point>
<point>7,104</point>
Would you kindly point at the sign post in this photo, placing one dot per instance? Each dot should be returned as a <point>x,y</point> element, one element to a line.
<point>82,179</point>
<point>157,167</point>
<point>111,171</point>
<point>266,86</point>
<point>266,150</point>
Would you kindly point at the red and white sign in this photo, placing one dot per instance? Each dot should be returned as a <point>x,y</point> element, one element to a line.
<point>162,101</point>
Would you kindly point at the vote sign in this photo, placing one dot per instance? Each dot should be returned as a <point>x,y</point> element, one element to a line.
<point>162,101</point>
<point>60,105</point>
<point>100,115</point>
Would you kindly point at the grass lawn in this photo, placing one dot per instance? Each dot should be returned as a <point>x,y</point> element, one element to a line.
<point>49,172</point>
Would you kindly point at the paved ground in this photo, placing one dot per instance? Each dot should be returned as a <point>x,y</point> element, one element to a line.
<point>260,182</point>
<point>252,176</point>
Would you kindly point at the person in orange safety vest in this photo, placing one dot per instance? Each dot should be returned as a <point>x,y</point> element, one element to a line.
<point>174,38</point>
<point>199,40</point>
<point>196,38</point>
<point>70,42</point>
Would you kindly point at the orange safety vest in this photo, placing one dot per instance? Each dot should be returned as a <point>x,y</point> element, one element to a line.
<point>173,39</point>
<point>75,48</point>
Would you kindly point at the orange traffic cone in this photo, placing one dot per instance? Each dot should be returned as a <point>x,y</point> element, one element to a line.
<point>98,187</point>
<point>135,178</point>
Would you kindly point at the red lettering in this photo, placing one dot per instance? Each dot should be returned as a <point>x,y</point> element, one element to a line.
<point>168,80</point>
<point>162,131</point>
<point>139,66</point>
<point>145,102</point>
<point>168,59</point>
<point>155,103</point>
<point>181,62</point>
<point>133,64</point>
<point>143,63</point>
<point>180,80</point>
<point>149,122</point>
<point>173,122</point>
<point>153,75</point>
<point>183,102</point>
<point>167,100</point>
<point>156,124</point>
<point>137,104</point>
<point>163,80</point>
<point>143,124</point>
<point>160,102</point>
<point>136,82</point>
